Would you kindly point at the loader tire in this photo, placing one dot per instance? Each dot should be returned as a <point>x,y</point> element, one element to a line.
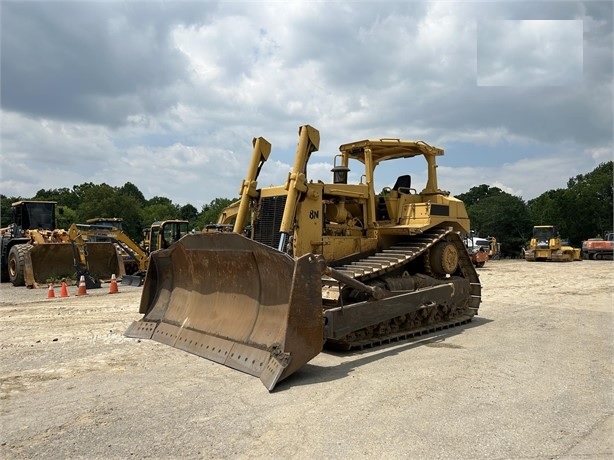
<point>16,265</point>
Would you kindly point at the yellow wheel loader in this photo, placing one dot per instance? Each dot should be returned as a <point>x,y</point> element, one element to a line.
<point>546,245</point>
<point>34,251</point>
<point>333,264</point>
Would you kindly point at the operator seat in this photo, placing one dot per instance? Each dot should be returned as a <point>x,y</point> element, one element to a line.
<point>402,182</point>
<point>382,210</point>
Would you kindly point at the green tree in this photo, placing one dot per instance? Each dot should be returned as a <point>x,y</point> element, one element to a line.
<point>210,212</point>
<point>589,205</point>
<point>105,201</point>
<point>159,208</point>
<point>63,197</point>
<point>547,209</point>
<point>477,193</point>
<point>513,221</point>
<point>189,213</point>
<point>129,189</point>
<point>582,210</point>
<point>157,212</point>
<point>504,216</point>
<point>6,218</point>
<point>65,217</point>
<point>159,200</point>
<point>80,190</point>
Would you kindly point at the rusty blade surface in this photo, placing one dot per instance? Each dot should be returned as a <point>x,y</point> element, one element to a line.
<point>104,261</point>
<point>56,260</point>
<point>236,302</point>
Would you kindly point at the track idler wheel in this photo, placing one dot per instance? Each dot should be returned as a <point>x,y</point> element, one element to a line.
<point>444,258</point>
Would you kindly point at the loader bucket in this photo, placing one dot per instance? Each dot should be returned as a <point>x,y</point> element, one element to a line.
<point>56,260</point>
<point>234,301</point>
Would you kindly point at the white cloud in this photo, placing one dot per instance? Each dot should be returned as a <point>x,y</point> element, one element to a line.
<point>530,52</point>
<point>168,96</point>
<point>601,154</point>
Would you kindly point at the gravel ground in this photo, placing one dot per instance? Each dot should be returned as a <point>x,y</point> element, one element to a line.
<point>530,378</point>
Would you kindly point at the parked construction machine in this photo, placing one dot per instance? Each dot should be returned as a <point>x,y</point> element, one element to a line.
<point>478,249</point>
<point>547,245</point>
<point>81,259</point>
<point>333,264</point>
<point>135,257</point>
<point>490,245</point>
<point>33,250</point>
<point>494,248</point>
<point>599,248</point>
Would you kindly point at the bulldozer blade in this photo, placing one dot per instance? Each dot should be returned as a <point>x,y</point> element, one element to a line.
<point>133,280</point>
<point>236,302</point>
<point>56,260</point>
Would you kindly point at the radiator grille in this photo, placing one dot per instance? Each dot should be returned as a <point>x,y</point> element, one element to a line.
<point>266,226</point>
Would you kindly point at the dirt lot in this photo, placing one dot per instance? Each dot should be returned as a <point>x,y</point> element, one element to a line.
<point>531,377</point>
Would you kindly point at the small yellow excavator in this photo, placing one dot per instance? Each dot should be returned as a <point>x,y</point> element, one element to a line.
<point>333,264</point>
<point>81,253</point>
<point>160,235</point>
<point>494,251</point>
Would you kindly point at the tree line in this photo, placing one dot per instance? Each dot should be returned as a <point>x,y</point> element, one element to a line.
<point>582,210</point>
<point>88,201</point>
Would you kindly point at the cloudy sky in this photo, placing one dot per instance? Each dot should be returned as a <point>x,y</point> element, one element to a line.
<point>169,95</point>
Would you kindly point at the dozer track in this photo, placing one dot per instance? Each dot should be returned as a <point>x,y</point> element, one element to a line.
<point>243,304</point>
<point>246,303</point>
<point>427,318</point>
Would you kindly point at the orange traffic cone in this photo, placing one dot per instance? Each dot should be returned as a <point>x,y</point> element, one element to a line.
<point>63,290</point>
<point>82,289</point>
<point>113,286</point>
<point>50,292</point>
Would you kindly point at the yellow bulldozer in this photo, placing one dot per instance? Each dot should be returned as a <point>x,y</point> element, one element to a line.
<point>547,245</point>
<point>324,264</point>
<point>34,251</point>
